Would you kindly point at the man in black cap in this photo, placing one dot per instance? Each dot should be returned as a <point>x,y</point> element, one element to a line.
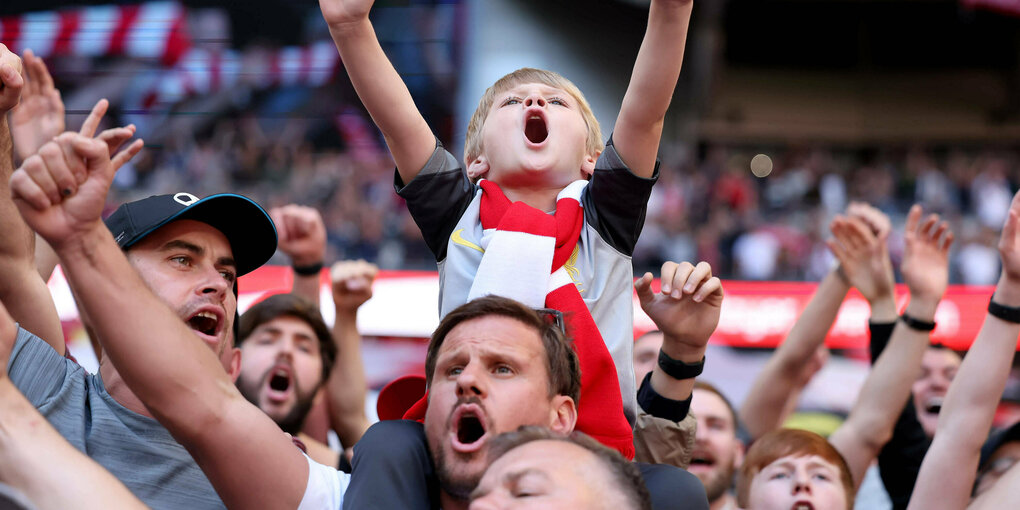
<point>187,251</point>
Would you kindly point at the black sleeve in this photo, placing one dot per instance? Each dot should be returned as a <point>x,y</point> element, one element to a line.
<point>659,406</point>
<point>899,461</point>
<point>673,488</point>
<point>615,200</point>
<point>391,468</point>
<point>436,198</point>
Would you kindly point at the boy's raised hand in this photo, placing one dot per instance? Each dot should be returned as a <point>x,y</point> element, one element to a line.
<point>925,264</point>
<point>341,12</point>
<point>687,307</point>
<point>11,81</point>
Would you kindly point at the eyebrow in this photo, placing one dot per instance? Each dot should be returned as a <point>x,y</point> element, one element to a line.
<point>196,250</point>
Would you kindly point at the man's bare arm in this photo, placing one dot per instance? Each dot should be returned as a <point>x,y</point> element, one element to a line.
<point>377,83</point>
<point>949,468</point>
<point>656,70</point>
<point>347,387</point>
<point>886,390</point>
<point>302,236</point>
<point>249,461</point>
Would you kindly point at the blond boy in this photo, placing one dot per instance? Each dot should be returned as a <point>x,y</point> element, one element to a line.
<point>532,138</point>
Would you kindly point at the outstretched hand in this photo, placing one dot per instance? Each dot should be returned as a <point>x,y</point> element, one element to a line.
<point>40,116</point>
<point>863,257</point>
<point>301,232</point>
<point>11,81</point>
<point>687,307</point>
<point>341,12</point>
<point>352,283</point>
<point>61,190</point>
<point>925,264</point>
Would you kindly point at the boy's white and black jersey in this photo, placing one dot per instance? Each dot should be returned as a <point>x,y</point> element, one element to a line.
<point>445,205</point>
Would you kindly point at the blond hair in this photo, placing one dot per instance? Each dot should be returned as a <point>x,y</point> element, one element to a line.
<point>473,139</point>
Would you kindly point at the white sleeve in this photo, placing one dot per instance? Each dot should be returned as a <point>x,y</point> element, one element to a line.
<point>326,487</point>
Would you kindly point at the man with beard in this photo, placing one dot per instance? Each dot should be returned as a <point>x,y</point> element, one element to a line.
<point>718,451</point>
<point>288,354</point>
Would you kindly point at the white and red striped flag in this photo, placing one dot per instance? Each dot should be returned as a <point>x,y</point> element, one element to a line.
<point>155,30</point>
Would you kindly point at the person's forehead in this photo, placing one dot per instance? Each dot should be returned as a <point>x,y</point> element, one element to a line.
<point>809,461</point>
<point>706,404</point>
<point>525,87</point>
<point>940,358</point>
<point>551,457</point>
<point>189,231</point>
<point>492,335</point>
<point>649,341</point>
<point>287,324</point>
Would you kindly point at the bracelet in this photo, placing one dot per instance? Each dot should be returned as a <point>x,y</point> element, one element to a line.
<point>309,270</point>
<point>917,324</point>
<point>678,369</point>
<point>1006,313</point>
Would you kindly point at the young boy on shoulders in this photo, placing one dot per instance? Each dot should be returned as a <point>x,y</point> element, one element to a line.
<point>541,210</point>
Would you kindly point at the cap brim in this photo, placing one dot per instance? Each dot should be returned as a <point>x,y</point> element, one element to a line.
<point>398,396</point>
<point>246,225</point>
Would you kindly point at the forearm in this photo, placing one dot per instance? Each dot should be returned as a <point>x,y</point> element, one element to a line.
<point>771,392</point>
<point>385,96</point>
<point>347,386</point>
<point>656,70</point>
<point>307,286</point>
<point>36,460</point>
<point>666,385</point>
<point>18,241</point>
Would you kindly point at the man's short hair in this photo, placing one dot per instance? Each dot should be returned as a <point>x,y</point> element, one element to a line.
<point>701,385</point>
<point>625,475</point>
<point>290,305</point>
<point>561,360</point>
<point>790,442</point>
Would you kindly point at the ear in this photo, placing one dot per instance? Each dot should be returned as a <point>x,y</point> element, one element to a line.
<point>563,416</point>
<point>738,456</point>
<point>235,364</point>
<point>478,168</point>
<point>588,165</point>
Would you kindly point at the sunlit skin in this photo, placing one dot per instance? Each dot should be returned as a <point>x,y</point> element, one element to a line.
<point>938,368</point>
<point>717,450</point>
<point>510,159</point>
<point>790,481</point>
<point>646,354</point>
<point>190,267</point>
<point>287,347</point>
<point>549,475</point>
<point>494,369</point>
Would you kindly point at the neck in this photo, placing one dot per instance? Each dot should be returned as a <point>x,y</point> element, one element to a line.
<point>543,199</point>
<point>724,502</point>
<point>119,390</point>
<point>448,502</point>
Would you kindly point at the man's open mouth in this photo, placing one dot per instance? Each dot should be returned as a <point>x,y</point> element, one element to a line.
<point>702,460</point>
<point>205,322</point>
<point>278,383</point>
<point>535,129</point>
<point>802,505</point>
<point>933,405</point>
<point>469,428</point>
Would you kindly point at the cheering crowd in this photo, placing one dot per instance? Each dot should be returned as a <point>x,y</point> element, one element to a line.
<point>535,394</point>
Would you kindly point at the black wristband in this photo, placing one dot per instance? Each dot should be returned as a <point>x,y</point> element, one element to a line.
<point>309,270</point>
<point>1006,313</point>
<point>678,369</point>
<point>917,324</point>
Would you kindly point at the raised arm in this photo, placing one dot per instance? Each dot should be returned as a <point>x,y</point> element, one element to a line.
<point>949,468</point>
<point>346,387</point>
<point>40,116</point>
<point>25,293</point>
<point>686,310</point>
<point>378,85</point>
<point>656,70</point>
<point>36,460</point>
<point>249,461</point>
<point>302,236</point>
<point>782,377</point>
<point>926,272</point>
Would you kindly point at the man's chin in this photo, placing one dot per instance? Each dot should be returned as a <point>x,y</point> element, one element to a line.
<point>459,473</point>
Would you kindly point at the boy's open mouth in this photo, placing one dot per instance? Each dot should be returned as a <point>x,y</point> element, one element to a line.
<point>535,129</point>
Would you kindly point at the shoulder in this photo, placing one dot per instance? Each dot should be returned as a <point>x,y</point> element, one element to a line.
<point>326,486</point>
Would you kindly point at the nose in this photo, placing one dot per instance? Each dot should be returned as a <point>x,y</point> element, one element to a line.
<point>534,100</point>
<point>801,482</point>
<point>213,283</point>
<point>469,382</point>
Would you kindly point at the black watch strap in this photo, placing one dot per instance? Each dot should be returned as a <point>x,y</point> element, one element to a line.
<point>917,324</point>
<point>1006,313</point>
<point>678,369</point>
<point>309,270</point>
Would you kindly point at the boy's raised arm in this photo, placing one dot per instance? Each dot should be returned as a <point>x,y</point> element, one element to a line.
<point>380,88</point>
<point>656,70</point>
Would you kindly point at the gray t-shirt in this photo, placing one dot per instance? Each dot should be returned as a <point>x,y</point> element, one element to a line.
<point>134,448</point>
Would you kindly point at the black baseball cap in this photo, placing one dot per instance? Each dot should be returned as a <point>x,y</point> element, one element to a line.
<point>996,440</point>
<point>246,225</point>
